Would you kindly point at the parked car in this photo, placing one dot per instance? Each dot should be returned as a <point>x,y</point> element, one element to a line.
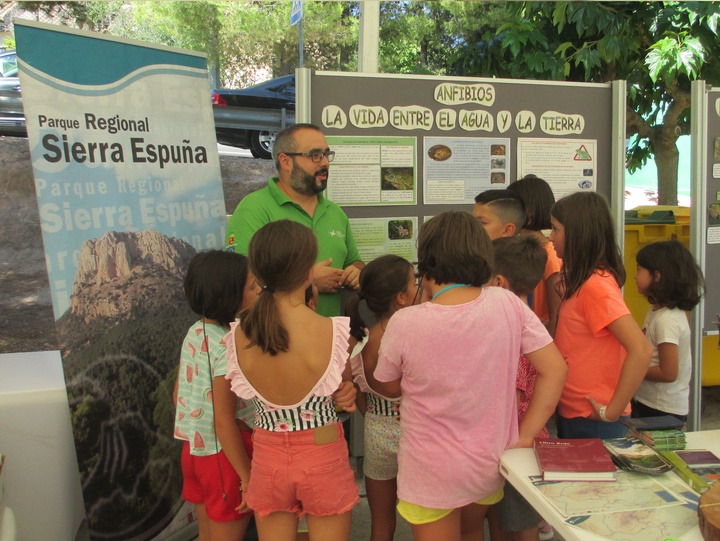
<point>275,95</point>
<point>12,116</point>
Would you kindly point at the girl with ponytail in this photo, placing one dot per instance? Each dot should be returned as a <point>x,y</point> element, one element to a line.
<point>290,360</point>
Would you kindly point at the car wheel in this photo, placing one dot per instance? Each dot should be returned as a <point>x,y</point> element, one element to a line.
<point>262,143</point>
<point>254,154</point>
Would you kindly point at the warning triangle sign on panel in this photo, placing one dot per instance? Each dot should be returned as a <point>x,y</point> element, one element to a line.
<point>582,155</point>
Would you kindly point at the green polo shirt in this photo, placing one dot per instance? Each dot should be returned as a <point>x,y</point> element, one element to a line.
<point>330,225</point>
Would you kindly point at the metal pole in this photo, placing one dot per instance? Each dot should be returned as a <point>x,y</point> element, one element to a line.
<point>698,100</point>
<point>300,44</point>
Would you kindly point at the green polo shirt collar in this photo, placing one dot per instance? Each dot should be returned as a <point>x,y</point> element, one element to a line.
<point>282,199</point>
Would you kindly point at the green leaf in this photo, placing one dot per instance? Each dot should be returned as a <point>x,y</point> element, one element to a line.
<point>559,16</point>
<point>654,63</point>
<point>562,48</point>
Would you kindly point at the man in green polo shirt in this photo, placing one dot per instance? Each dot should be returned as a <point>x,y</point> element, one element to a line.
<point>302,158</point>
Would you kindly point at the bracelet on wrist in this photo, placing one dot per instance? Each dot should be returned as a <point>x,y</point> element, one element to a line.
<point>602,415</point>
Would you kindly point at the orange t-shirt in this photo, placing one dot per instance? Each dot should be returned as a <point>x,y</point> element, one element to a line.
<point>540,304</point>
<point>593,354</point>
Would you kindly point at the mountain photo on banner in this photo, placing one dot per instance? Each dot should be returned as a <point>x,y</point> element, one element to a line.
<point>128,186</point>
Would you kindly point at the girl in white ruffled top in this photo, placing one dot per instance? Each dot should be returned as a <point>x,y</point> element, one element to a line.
<point>290,360</point>
<point>387,284</point>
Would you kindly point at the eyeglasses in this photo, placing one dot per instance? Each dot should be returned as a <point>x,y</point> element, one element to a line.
<point>314,155</point>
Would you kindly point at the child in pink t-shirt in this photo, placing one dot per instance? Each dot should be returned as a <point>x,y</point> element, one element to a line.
<point>454,360</point>
<point>606,352</point>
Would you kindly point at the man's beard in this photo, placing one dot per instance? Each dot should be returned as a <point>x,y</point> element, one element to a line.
<point>305,183</point>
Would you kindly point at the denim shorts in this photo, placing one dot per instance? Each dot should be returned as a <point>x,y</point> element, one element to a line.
<point>292,472</point>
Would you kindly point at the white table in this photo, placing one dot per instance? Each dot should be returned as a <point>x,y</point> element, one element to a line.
<point>42,484</point>
<point>517,465</point>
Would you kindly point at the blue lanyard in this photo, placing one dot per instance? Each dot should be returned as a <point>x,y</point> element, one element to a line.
<point>448,288</point>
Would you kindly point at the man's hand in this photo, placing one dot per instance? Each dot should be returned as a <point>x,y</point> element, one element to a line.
<point>351,277</point>
<point>327,279</point>
<point>344,397</point>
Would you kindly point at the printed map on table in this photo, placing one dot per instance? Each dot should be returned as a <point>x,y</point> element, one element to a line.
<point>635,507</point>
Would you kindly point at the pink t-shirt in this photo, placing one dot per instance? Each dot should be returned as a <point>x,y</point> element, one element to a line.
<point>593,354</point>
<point>458,413</point>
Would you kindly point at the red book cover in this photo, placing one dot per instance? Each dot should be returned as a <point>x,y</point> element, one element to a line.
<point>574,460</point>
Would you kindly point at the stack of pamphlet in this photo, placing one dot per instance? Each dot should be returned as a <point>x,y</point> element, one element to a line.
<point>662,433</point>
<point>632,454</point>
<point>661,440</point>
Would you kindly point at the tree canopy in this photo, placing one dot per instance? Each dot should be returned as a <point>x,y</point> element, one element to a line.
<point>658,47</point>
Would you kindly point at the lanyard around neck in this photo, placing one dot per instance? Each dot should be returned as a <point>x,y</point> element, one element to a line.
<point>448,288</point>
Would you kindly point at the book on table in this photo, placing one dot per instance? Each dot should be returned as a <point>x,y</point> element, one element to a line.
<point>661,422</point>
<point>699,458</point>
<point>698,475</point>
<point>574,460</point>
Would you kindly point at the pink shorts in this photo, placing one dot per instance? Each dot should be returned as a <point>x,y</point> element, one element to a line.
<point>293,473</point>
<point>205,478</point>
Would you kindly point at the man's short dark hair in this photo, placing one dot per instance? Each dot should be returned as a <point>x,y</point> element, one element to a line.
<point>285,140</point>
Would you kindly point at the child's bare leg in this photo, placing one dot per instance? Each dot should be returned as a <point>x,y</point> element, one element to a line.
<point>229,531</point>
<point>445,529</point>
<point>382,497</point>
<point>472,522</point>
<point>329,527</point>
<point>531,534</point>
<point>496,533</point>
<point>203,522</point>
<point>279,526</point>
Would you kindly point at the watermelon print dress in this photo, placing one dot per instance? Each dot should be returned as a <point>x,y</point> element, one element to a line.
<point>202,357</point>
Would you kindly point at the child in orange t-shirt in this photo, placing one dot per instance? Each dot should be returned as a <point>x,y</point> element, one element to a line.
<point>539,199</point>
<point>606,352</point>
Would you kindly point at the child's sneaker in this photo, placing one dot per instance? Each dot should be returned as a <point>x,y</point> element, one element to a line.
<point>546,531</point>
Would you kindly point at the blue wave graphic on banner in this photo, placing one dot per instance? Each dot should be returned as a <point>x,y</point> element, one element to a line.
<point>112,88</point>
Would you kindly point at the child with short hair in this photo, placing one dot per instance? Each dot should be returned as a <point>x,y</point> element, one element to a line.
<point>454,361</point>
<point>539,199</point>
<point>216,450</point>
<point>668,276</point>
<point>501,212</point>
<point>387,284</point>
<point>290,360</point>
<point>606,352</point>
<point>519,266</point>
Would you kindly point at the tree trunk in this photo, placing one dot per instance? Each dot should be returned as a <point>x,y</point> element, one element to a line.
<point>666,161</point>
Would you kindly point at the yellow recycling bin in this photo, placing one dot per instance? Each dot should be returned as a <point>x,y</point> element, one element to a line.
<point>644,225</point>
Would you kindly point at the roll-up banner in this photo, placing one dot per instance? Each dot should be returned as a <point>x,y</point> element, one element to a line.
<point>129,188</point>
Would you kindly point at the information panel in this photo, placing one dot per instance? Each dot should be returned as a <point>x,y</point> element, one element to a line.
<point>467,135</point>
<point>712,213</point>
